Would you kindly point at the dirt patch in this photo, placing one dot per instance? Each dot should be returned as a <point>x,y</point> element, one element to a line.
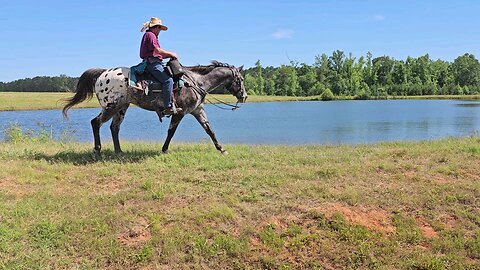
<point>426,229</point>
<point>288,251</point>
<point>111,187</point>
<point>280,223</point>
<point>179,201</point>
<point>410,175</point>
<point>136,235</point>
<point>449,221</point>
<point>471,175</point>
<point>374,219</point>
<point>10,186</point>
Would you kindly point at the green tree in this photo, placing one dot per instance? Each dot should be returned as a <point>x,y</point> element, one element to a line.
<point>286,82</point>
<point>440,73</point>
<point>421,68</point>
<point>382,68</point>
<point>258,75</point>
<point>465,70</point>
<point>399,74</point>
<point>337,61</point>
<point>368,73</point>
<point>338,79</point>
<point>353,75</point>
<point>307,80</point>
<point>270,86</point>
<point>251,84</point>
<point>323,70</point>
<point>270,74</point>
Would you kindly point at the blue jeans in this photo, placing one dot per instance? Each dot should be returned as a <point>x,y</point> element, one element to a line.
<point>158,71</point>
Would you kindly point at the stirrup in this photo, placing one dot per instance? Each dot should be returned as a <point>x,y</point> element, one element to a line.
<point>135,86</point>
<point>172,110</point>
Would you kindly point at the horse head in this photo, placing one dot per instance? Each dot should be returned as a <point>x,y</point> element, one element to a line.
<point>230,77</point>
<point>236,87</point>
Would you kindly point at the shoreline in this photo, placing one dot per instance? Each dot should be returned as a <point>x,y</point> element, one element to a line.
<point>22,101</point>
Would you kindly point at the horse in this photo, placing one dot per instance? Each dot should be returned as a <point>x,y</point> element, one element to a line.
<point>115,94</point>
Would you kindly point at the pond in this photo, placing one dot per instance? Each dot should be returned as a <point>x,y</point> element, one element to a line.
<point>291,123</point>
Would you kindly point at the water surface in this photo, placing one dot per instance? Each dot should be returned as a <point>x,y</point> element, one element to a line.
<point>293,123</point>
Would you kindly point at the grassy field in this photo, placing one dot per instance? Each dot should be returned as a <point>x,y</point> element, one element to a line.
<point>12,101</point>
<point>383,206</point>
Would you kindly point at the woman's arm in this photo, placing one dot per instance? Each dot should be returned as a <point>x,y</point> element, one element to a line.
<point>166,54</point>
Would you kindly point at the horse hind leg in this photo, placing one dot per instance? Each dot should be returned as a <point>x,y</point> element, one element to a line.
<point>115,127</point>
<point>97,122</point>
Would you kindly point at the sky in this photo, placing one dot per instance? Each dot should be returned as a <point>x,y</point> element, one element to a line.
<point>50,38</point>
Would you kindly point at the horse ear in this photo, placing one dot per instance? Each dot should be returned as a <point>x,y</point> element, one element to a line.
<point>240,68</point>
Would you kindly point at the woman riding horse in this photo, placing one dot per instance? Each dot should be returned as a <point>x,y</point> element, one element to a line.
<point>151,52</point>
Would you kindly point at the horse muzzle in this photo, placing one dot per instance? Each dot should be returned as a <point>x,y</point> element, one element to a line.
<point>242,99</point>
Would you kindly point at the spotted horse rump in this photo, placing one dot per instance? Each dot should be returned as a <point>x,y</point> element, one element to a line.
<point>111,87</point>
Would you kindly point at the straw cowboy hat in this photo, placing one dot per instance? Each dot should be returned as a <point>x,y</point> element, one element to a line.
<point>153,22</point>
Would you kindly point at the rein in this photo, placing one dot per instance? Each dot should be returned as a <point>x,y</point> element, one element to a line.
<point>204,93</point>
<point>234,107</point>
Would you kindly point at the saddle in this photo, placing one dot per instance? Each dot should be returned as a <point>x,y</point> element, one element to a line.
<point>142,80</point>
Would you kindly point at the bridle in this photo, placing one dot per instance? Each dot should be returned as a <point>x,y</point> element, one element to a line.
<point>235,82</point>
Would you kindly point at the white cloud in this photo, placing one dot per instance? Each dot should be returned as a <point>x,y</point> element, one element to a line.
<point>377,18</point>
<point>283,34</point>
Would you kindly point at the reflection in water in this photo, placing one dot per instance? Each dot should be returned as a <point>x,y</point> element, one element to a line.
<point>380,126</point>
<point>468,104</point>
<point>332,122</point>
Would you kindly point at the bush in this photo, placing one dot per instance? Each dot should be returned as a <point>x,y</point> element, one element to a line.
<point>15,134</point>
<point>378,92</point>
<point>452,89</point>
<point>327,95</point>
<point>362,95</point>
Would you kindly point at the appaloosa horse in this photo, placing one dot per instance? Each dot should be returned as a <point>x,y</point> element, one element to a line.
<point>115,95</point>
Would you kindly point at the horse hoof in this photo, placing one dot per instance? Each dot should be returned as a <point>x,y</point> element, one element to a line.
<point>224,152</point>
<point>165,151</point>
<point>95,155</point>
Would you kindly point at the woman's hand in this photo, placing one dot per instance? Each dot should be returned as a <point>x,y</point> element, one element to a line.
<point>173,55</point>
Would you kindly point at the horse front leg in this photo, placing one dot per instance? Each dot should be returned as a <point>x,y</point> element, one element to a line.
<point>176,118</point>
<point>201,117</point>
<point>115,128</point>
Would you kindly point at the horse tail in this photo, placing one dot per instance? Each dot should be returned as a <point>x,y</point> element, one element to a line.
<point>85,88</point>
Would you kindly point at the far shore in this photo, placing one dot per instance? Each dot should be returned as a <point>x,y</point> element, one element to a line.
<point>17,101</point>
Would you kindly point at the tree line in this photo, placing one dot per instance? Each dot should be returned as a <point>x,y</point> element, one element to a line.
<point>343,75</point>
<point>367,77</point>
<point>60,83</point>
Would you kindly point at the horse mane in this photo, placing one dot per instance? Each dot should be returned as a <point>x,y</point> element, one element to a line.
<point>206,69</point>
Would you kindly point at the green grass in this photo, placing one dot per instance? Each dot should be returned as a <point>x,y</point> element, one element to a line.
<point>12,101</point>
<point>385,206</point>
<point>463,97</point>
